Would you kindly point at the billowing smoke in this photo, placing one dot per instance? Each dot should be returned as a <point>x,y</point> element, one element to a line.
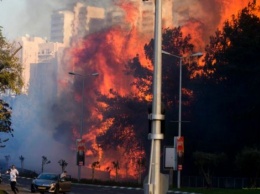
<point>32,16</point>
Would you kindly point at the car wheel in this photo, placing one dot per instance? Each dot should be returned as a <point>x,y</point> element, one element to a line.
<point>32,189</point>
<point>57,189</point>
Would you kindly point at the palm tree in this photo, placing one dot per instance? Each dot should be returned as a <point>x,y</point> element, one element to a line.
<point>108,169</point>
<point>22,160</point>
<point>63,164</point>
<point>45,161</point>
<point>116,166</point>
<point>94,165</point>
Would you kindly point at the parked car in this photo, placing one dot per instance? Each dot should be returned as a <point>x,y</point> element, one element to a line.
<point>51,183</point>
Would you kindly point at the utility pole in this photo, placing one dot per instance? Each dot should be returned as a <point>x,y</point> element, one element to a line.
<point>153,186</point>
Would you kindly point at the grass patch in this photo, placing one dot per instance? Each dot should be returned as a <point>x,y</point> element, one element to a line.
<point>2,192</point>
<point>220,191</point>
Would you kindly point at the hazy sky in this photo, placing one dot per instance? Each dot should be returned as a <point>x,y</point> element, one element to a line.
<point>20,17</point>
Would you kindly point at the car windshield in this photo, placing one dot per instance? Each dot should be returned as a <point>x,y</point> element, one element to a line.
<point>48,176</point>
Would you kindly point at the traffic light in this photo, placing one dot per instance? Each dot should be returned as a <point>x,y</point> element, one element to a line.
<point>150,110</point>
<point>80,158</point>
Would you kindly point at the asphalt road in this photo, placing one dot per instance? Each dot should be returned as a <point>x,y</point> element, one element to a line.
<point>25,183</point>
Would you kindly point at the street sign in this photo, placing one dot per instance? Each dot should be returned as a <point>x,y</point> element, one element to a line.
<point>180,167</point>
<point>180,145</point>
<point>170,160</point>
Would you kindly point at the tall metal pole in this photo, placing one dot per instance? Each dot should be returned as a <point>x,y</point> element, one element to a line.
<point>156,117</point>
<point>82,121</point>
<point>198,54</point>
<point>82,113</point>
<point>179,121</point>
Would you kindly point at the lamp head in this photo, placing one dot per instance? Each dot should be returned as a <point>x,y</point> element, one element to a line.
<point>198,54</point>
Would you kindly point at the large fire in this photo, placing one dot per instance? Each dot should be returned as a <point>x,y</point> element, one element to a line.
<point>107,52</point>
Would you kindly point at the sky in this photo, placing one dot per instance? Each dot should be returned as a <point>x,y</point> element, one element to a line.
<point>17,17</point>
<point>20,17</point>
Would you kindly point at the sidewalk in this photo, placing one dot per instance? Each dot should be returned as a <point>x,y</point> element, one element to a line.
<point>6,187</point>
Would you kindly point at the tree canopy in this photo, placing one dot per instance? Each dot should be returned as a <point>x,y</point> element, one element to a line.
<point>10,80</point>
<point>226,106</point>
<point>227,95</point>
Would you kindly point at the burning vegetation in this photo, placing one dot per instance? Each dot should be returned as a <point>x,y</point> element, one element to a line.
<point>115,119</point>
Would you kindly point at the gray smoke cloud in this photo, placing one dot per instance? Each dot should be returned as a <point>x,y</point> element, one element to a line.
<point>33,16</point>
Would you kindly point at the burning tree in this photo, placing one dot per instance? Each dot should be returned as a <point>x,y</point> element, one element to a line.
<point>116,112</point>
<point>227,91</point>
<point>118,119</point>
<point>127,115</point>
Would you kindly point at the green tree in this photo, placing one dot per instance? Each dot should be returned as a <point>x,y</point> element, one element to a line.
<point>207,163</point>
<point>248,162</point>
<point>10,80</point>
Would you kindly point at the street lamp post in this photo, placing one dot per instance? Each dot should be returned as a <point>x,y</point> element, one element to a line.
<point>199,54</point>
<point>82,113</point>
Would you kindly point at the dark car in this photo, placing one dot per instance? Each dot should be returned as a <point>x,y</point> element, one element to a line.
<point>51,183</point>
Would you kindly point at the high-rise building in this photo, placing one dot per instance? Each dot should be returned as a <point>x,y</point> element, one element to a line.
<point>27,55</point>
<point>87,19</point>
<point>61,26</point>
<point>43,82</point>
<point>48,51</point>
<point>146,21</point>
